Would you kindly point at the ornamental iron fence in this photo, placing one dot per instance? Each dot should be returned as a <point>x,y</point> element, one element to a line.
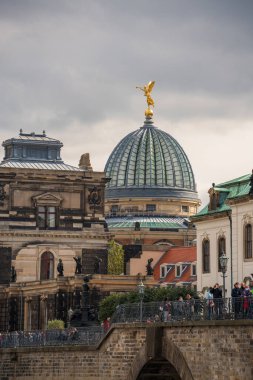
<point>192,309</point>
<point>89,336</point>
<point>151,312</point>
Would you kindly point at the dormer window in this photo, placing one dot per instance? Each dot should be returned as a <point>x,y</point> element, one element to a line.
<point>178,270</point>
<point>165,269</point>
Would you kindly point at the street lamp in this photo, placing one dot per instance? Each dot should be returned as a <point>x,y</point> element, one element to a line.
<point>141,288</point>
<point>223,264</point>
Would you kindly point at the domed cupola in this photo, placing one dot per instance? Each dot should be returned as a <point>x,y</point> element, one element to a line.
<point>149,163</point>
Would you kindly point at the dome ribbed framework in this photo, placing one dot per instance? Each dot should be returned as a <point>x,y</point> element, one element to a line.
<point>149,158</point>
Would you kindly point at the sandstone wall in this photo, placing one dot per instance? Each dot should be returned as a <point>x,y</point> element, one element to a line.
<point>200,351</point>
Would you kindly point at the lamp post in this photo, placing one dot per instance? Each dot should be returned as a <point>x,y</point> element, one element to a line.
<point>85,301</point>
<point>223,264</point>
<point>141,288</point>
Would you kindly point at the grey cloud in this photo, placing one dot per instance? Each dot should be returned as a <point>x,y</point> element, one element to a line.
<point>71,67</point>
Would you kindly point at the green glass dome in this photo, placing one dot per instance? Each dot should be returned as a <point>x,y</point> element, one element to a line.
<point>149,162</point>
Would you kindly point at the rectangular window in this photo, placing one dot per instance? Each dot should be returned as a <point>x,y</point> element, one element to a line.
<point>165,269</point>
<point>38,153</point>
<point>163,272</point>
<point>114,209</point>
<point>131,209</point>
<point>42,217</point>
<point>51,219</point>
<point>178,270</point>
<point>150,207</point>
<point>248,241</point>
<point>185,208</point>
<point>206,256</point>
<point>46,217</point>
<point>194,270</point>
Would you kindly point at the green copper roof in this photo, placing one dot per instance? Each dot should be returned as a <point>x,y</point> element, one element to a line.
<point>205,210</point>
<point>148,222</point>
<point>147,162</point>
<point>243,178</point>
<point>232,189</point>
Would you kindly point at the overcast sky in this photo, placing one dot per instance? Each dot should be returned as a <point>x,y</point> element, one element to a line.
<point>70,67</point>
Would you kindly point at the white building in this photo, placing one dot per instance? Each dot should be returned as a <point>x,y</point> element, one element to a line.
<point>225,225</point>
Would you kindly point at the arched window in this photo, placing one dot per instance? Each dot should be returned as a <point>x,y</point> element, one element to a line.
<point>221,249</point>
<point>248,241</point>
<point>206,255</point>
<point>47,266</point>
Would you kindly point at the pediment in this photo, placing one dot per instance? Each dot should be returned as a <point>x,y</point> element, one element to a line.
<point>47,199</point>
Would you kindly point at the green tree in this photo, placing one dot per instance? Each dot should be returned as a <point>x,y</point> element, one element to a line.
<point>55,324</point>
<point>115,258</point>
<point>108,305</point>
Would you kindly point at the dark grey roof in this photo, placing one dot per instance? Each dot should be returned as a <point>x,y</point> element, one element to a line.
<point>31,148</point>
<point>31,137</point>
<point>34,151</point>
<point>149,162</point>
<point>38,165</point>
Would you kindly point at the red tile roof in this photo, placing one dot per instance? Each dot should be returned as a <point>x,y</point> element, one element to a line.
<point>174,256</point>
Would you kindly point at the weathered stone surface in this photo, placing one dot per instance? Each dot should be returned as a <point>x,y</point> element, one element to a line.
<point>197,351</point>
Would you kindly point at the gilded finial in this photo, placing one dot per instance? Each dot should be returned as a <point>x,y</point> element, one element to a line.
<point>147,90</point>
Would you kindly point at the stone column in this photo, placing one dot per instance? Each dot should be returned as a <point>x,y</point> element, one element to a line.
<point>43,312</point>
<point>28,314</point>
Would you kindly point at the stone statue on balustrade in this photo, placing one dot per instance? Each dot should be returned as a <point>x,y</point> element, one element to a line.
<point>149,268</point>
<point>60,268</point>
<point>13,274</point>
<point>78,269</point>
<point>97,265</point>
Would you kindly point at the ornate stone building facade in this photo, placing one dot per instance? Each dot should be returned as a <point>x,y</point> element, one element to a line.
<point>50,212</point>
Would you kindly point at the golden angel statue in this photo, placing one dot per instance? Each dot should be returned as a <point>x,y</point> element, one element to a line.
<point>147,90</point>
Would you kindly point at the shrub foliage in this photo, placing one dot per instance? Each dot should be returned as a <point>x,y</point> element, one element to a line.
<point>108,305</point>
<point>55,324</point>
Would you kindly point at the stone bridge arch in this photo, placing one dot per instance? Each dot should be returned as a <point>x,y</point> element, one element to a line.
<point>162,354</point>
<point>187,350</point>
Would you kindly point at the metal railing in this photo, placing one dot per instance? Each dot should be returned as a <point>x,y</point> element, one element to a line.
<point>151,312</point>
<point>193,310</point>
<point>89,336</point>
<point>138,213</point>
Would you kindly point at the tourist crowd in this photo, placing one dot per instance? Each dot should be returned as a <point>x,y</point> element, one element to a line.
<point>37,338</point>
<point>241,296</point>
<point>211,306</point>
